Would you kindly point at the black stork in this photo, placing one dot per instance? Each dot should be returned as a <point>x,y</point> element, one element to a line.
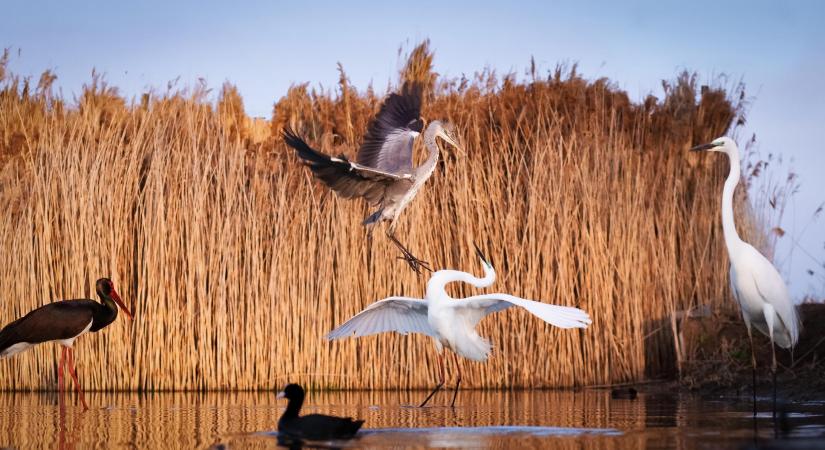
<point>313,427</point>
<point>63,321</point>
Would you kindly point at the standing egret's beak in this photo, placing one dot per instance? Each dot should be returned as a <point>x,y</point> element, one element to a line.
<point>120,303</point>
<point>281,395</point>
<point>703,147</point>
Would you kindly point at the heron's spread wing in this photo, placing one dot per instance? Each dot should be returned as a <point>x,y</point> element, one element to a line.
<point>477,307</point>
<point>400,314</point>
<point>388,143</point>
<point>346,178</point>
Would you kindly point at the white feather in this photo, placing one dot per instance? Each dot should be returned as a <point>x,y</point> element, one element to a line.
<point>399,314</point>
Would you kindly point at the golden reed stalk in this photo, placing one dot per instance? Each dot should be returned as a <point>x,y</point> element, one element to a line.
<point>237,262</point>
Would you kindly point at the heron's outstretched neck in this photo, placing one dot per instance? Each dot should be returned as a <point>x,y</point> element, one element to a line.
<point>424,171</point>
<point>732,239</point>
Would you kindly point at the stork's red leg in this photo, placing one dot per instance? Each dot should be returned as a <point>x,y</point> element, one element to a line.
<point>60,366</point>
<point>74,377</point>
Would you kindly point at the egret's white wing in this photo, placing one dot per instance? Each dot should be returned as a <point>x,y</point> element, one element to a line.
<point>400,314</point>
<point>477,307</point>
<point>772,289</point>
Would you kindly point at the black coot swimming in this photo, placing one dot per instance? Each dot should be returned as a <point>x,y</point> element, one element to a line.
<point>313,427</point>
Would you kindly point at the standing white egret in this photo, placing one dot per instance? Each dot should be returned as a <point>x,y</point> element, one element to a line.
<point>383,173</point>
<point>754,281</point>
<point>451,322</point>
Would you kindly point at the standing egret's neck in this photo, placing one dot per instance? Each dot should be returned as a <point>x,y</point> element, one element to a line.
<point>732,239</point>
<point>435,287</point>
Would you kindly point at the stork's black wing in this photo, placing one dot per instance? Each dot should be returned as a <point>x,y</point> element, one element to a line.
<point>388,143</point>
<point>58,320</point>
<point>346,178</point>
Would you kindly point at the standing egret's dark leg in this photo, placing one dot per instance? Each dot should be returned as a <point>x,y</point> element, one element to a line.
<point>773,370</point>
<point>414,262</point>
<point>458,380</point>
<point>753,371</point>
<point>74,377</point>
<point>440,382</point>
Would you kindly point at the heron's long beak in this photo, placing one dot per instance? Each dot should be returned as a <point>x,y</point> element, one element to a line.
<point>453,142</point>
<point>703,147</point>
<point>281,395</point>
<point>120,303</point>
<point>457,147</point>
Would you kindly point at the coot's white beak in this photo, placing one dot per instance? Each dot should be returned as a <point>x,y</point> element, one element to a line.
<point>281,395</point>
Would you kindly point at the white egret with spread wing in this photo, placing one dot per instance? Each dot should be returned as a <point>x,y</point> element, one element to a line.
<point>755,283</point>
<point>383,173</point>
<point>451,322</point>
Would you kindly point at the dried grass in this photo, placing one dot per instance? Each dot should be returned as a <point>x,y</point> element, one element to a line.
<point>237,262</point>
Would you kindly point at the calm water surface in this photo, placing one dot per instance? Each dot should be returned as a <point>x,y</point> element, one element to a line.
<point>588,419</point>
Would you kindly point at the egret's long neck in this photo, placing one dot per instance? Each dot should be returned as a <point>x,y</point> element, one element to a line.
<point>435,287</point>
<point>732,239</point>
<point>424,171</point>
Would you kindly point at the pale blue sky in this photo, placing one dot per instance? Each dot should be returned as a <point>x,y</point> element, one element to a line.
<point>776,48</point>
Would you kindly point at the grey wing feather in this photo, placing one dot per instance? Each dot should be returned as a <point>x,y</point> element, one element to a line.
<point>342,176</point>
<point>388,143</point>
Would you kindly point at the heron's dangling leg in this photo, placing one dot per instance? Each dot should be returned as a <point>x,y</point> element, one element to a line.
<point>440,381</point>
<point>414,262</point>
<point>74,377</point>
<point>60,366</point>
<point>458,379</point>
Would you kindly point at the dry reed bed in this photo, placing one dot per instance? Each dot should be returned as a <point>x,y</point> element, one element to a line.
<point>237,263</point>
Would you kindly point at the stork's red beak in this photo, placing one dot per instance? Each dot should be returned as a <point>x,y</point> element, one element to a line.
<point>120,303</point>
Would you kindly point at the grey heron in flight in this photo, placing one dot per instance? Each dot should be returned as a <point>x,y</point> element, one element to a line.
<point>382,173</point>
<point>755,283</point>
<point>451,322</point>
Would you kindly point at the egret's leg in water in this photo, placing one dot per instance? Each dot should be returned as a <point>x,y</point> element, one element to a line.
<point>458,379</point>
<point>753,369</point>
<point>770,315</point>
<point>440,382</point>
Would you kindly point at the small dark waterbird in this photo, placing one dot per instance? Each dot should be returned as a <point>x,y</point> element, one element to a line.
<point>383,174</point>
<point>755,283</point>
<point>63,321</point>
<point>312,427</point>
